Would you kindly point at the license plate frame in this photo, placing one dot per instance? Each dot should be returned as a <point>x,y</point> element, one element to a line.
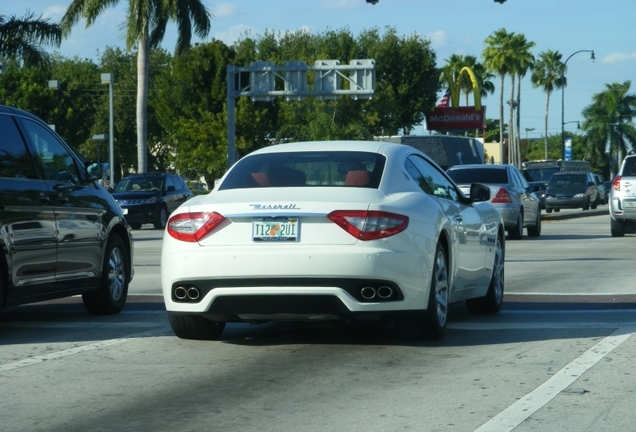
<point>276,229</point>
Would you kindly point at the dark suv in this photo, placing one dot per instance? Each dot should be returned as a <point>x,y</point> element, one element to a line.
<point>62,233</point>
<point>622,198</point>
<point>150,197</point>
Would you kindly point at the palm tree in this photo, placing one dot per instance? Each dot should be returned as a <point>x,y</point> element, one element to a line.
<point>498,59</point>
<point>22,38</point>
<point>145,28</point>
<point>524,60</point>
<point>548,73</point>
<point>608,122</point>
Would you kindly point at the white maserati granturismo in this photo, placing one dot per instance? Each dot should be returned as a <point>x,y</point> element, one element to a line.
<point>332,230</point>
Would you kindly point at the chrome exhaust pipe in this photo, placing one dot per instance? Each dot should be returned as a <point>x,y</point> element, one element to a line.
<point>180,293</point>
<point>385,292</point>
<point>367,293</point>
<point>193,293</point>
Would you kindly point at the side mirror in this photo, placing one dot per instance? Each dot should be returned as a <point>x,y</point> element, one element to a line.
<point>479,192</point>
<point>94,171</point>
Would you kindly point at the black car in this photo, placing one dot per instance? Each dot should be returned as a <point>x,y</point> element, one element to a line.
<point>62,233</point>
<point>571,189</point>
<point>150,197</point>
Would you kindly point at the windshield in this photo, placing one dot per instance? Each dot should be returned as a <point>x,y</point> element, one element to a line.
<point>307,169</point>
<point>479,175</point>
<point>139,184</point>
<point>539,174</point>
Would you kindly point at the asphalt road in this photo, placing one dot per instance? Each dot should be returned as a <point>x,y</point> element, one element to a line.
<point>558,357</point>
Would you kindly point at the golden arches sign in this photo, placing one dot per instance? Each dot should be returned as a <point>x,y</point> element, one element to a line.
<point>455,87</point>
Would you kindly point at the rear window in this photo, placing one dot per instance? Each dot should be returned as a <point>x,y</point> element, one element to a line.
<point>568,180</point>
<point>479,175</point>
<point>306,169</point>
<point>629,167</point>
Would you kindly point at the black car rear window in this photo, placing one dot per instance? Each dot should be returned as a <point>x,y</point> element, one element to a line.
<point>479,175</point>
<point>307,169</point>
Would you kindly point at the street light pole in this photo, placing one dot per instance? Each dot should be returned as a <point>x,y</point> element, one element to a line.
<point>108,78</point>
<point>563,99</point>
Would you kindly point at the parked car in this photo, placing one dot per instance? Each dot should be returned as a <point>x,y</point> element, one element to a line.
<point>331,230</point>
<point>510,194</point>
<point>150,197</point>
<point>622,198</point>
<point>571,189</point>
<point>602,191</point>
<point>62,232</point>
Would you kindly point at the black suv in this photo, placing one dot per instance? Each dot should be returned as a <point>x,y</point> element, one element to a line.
<point>62,233</point>
<point>151,197</point>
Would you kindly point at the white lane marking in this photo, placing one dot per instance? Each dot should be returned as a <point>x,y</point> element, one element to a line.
<point>518,412</point>
<point>77,350</point>
<point>540,326</point>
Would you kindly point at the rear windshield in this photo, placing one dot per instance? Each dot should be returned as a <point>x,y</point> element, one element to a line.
<point>139,184</point>
<point>479,175</point>
<point>568,180</point>
<point>629,168</point>
<point>306,169</point>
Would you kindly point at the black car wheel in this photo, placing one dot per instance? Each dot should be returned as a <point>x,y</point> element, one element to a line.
<point>110,297</point>
<point>516,232</point>
<point>195,327</point>
<point>535,231</point>
<point>492,301</point>
<point>162,218</point>
<point>617,228</point>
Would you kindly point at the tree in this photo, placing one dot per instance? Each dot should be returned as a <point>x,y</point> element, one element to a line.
<point>523,60</point>
<point>549,74</point>
<point>22,38</point>
<point>498,59</point>
<point>145,28</point>
<point>608,122</point>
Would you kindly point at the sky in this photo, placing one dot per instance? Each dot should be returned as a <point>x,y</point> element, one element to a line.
<point>453,27</point>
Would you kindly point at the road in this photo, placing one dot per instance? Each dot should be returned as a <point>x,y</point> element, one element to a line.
<point>558,357</point>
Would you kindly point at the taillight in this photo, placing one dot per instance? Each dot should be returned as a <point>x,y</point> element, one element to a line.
<point>502,196</point>
<point>192,227</point>
<point>369,225</point>
<point>616,184</point>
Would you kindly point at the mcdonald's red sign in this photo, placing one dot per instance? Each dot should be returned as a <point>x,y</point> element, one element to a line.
<point>456,118</point>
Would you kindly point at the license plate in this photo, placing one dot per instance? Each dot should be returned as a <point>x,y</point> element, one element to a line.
<point>629,204</point>
<point>275,229</point>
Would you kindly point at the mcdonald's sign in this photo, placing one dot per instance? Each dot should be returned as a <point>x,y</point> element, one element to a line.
<point>456,118</point>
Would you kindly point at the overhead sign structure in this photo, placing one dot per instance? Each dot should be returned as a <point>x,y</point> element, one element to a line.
<point>267,81</point>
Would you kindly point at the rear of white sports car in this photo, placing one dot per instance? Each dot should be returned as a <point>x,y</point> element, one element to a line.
<point>308,235</point>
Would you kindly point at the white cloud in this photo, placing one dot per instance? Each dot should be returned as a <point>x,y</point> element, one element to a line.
<point>618,57</point>
<point>438,38</point>
<point>223,10</point>
<point>235,33</point>
<point>54,13</point>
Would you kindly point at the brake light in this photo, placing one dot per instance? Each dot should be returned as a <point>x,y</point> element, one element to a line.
<point>502,196</point>
<point>616,184</point>
<point>369,225</point>
<point>192,227</point>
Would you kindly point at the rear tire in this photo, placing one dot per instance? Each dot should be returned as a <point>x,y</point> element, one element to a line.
<point>436,316</point>
<point>195,327</point>
<point>492,301</point>
<point>516,233</point>
<point>617,228</point>
<point>535,231</point>
<point>110,297</point>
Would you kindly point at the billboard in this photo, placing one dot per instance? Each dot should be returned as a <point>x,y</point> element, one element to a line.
<point>444,118</point>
